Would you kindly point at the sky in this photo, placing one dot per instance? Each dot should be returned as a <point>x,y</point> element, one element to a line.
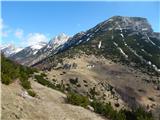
<point>26,23</point>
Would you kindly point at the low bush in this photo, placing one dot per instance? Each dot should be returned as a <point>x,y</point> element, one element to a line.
<point>93,92</point>
<point>78,85</point>
<point>107,110</point>
<point>25,84</point>
<point>6,79</point>
<point>44,82</point>
<point>11,71</point>
<point>102,108</point>
<point>73,81</point>
<point>43,74</point>
<point>141,114</point>
<point>76,99</point>
<point>31,93</point>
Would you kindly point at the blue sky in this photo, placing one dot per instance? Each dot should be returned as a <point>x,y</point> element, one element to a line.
<point>24,23</point>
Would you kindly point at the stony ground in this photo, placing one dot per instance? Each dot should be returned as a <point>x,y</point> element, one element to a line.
<point>49,105</point>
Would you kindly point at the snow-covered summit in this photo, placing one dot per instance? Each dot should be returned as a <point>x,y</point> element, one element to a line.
<point>9,50</point>
<point>58,40</point>
<point>38,45</point>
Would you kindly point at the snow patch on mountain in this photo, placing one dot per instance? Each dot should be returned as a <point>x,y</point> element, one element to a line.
<point>147,62</point>
<point>115,44</point>
<point>122,35</point>
<point>120,49</point>
<point>57,41</point>
<point>88,39</point>
<point>99,45</point>
<point>38,45</point>
<point>150,40</point>
<point>9,50</point>
<point>125,55</point>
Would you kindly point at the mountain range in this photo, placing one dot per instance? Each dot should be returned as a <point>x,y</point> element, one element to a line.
<point>130,40</point>
<point>117,62</point>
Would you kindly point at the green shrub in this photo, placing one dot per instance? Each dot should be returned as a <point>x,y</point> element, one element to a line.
<point>11,71</point>
<point>47,83</point>
<point>44,82</point>
<point>43,74</point>
<point>78,85</point>
<point>73,81</point>
<point>93,92</point>
<point>76,99</point>
<point>142,115</point>
<point>26,84</point>
<point>6,79</point>
<point>107,110</point>
<point>40,79</point>
<point>31,93</point>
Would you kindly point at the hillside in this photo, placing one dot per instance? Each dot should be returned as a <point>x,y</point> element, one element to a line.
<point>112,69</point>
<point>27,99</point>
<point>107,81</point>
<point>18,103</point>
<point>49,105</point>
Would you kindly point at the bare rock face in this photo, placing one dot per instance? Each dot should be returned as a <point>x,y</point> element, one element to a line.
<point>129,23</point>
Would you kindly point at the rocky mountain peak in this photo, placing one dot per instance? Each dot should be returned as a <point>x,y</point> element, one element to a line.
<point>131,23</point>
<point>58,40</point>
<point>38,45</point>
<point>9,50</point>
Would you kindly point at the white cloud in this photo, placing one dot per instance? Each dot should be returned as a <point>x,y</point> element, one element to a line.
<point>34,38</point>
<point>4,29</point>
<point>78,25</point>
<point>1,24</point>
<point>19,33</point>
<point>4,34</point>
<point>18,37</point>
